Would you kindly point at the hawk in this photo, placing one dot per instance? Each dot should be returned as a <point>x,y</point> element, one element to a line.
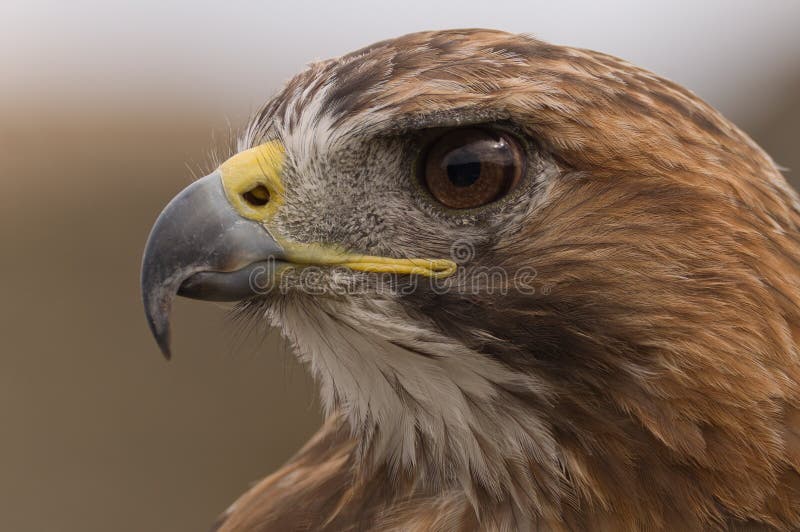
<point>540,289</point>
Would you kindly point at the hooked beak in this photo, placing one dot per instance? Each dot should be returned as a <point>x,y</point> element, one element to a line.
<point>212,241</point>
<point>200,247</point>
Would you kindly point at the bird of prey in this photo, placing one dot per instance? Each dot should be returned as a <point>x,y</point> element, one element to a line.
<point>540,288</point>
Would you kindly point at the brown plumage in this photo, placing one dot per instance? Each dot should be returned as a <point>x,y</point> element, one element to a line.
<point>663,333</point>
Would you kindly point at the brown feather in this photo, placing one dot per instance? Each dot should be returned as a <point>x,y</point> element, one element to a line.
<point>669,333</point>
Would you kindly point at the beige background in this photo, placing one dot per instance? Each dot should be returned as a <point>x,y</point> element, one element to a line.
<point>107,110</point>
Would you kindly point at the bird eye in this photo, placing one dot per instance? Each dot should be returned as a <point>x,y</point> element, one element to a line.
<point>468,168</point>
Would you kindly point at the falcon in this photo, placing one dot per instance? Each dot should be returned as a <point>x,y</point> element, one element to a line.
<point>540,288</point>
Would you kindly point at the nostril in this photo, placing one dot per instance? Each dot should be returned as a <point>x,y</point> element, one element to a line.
<point>257,196</point>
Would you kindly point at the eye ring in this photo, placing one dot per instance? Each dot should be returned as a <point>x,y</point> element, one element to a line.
<point>466,168</point>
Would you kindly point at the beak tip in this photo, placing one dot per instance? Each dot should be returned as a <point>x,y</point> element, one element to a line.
<point>161,333</point>
<point>165,350</point>
<point>157,310</point>
<point>162,339</point>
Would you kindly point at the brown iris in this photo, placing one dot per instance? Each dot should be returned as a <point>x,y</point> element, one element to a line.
<point>468,168</point>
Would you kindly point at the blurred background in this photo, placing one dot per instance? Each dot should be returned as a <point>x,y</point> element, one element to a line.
<point>108,109</point>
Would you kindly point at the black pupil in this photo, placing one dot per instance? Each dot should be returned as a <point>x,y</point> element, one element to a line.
<point>463,173</point>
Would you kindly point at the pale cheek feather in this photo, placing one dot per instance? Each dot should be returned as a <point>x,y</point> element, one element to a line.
<point>389,394</point>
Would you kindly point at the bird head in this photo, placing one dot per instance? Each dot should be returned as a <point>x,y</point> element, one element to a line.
<point>523,269</point>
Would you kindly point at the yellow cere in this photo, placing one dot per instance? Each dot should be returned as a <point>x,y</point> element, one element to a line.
<point>246,171</point>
